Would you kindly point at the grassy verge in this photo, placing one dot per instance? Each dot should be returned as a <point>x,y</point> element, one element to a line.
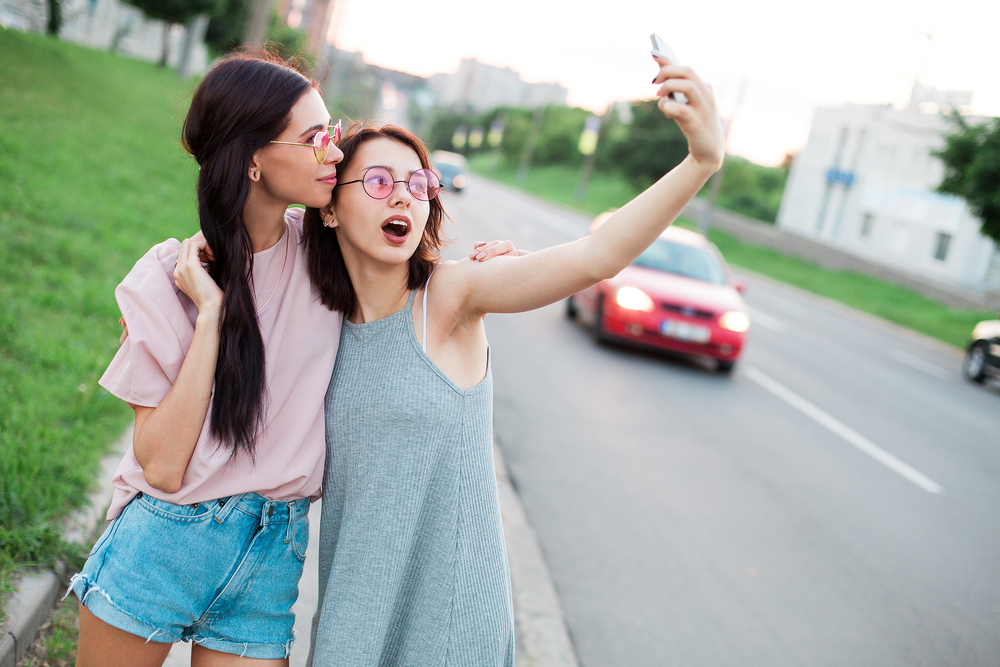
<point>892,302</point>
<point>93,175</point>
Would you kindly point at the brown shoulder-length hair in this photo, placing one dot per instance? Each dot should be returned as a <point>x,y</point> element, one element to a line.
<point>326,262</point>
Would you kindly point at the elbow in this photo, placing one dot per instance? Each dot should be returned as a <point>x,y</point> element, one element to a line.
<point>166,481</point>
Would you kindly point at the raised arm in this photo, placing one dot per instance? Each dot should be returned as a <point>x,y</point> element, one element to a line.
<point>165,436</point>
<point>514,284</point>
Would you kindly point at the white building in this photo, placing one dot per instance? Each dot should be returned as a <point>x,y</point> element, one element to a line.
<point>114,26</point>
<point>482,87</point>
<point>864,183</point>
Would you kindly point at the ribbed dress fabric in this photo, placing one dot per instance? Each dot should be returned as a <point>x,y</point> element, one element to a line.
<point>412,565</point>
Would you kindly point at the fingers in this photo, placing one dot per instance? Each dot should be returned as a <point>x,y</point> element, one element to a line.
<point>692,91</point>
<point>484,251</point>
<point>205,253</point>
<point>121,339</point>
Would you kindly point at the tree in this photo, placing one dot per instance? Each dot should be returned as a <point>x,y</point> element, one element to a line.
<point>172,12</point>
<point>652,147</point>
<point>971,156</point>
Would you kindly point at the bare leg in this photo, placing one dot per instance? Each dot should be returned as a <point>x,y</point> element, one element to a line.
<point>103,645</point>
<point>204,657</point>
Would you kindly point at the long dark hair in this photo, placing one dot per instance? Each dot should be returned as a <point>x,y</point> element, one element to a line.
<point>242,104</point>
<point>326,262</point>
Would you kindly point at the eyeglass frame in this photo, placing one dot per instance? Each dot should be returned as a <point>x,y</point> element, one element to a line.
<point>334,139</point>
<point>407,181</point>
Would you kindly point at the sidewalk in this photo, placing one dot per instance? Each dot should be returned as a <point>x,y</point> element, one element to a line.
<point>542,637</point>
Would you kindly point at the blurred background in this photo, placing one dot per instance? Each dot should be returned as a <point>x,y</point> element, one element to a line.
<point>773,440</point>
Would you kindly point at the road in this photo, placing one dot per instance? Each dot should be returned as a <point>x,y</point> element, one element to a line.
<point>834,502</point>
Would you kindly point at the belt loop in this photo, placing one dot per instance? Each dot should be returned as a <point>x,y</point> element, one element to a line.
<point>227,507</point>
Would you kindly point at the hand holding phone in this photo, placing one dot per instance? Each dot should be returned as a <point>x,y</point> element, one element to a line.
<point>662,50</point>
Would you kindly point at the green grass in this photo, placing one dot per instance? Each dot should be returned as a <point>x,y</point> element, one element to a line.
<point>892,302</point>
<point>558,183</point>
<point>93,175</point>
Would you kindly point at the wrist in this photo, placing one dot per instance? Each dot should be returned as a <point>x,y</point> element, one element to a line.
<point>209,315</point>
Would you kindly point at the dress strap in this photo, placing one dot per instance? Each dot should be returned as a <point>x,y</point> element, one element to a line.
<point>423,315</point>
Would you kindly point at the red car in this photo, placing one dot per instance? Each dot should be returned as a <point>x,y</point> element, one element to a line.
<point>676,296</point>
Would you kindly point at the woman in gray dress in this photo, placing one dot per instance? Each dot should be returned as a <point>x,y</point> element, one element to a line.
<point>413,569</point>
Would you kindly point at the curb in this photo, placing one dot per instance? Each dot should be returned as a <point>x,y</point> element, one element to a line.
<point>38,591</point>
<point>538,616</point>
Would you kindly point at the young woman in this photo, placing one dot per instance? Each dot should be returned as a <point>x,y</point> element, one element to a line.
<point>226,369</point>
<point>413,567</point>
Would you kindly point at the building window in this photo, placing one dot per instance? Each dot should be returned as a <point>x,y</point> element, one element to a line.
<point>866,225</point>
<point>941,247</point>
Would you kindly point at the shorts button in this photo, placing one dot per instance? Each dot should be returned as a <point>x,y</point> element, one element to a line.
<point>195,506</point>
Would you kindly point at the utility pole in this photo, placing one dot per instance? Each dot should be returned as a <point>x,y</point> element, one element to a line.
<point>705,224</point>
<point>529,145</point>
<point>588,146</point>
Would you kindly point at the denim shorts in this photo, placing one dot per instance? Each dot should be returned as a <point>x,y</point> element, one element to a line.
<point>223,574</point>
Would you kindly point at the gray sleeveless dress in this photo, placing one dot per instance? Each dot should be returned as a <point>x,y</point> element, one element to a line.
<point>412,564</point>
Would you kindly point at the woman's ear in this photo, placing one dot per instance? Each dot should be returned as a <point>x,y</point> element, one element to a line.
<point>327,215</point>
<point>254,171</point>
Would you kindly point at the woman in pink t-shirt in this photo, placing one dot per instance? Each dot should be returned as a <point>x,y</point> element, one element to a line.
<point>226,369</point>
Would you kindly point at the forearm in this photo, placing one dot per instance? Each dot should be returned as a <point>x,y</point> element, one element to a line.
<point>165,436</point>
<point>633,228</point>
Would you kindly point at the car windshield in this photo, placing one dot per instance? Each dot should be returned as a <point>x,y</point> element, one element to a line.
<point>682,260</point>
<point>448,169</point>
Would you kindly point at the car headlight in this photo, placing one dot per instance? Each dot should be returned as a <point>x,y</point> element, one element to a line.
<point>631,298</point>
<point>734,320</point>
<point>458,181</point>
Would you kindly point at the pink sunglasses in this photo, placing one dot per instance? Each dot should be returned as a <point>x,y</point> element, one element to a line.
<point>321,142</point>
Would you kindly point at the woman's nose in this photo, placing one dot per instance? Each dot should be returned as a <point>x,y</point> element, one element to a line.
<point>334,156</point>
<point>400,194</point>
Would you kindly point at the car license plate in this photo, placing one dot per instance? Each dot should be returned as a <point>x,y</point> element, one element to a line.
<point>692,333</point>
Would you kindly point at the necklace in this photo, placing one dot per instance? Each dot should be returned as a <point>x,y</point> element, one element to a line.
<point>287,234</point>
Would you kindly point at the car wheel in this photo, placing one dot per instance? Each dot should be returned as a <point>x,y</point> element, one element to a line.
<point>570,308</point>
<point>975,363</point>
<point>600,333</point>
<point>724,367</point>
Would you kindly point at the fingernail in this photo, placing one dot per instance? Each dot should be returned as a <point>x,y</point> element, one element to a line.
<point>481,255</point>
<point>654,79</point>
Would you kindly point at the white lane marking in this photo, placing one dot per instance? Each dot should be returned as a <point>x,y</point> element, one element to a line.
<point>841,429</point>
<point>918,363</point>
<point>767,321</point>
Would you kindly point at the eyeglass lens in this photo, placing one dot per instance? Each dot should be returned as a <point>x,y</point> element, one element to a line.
<point>423,183</point>
<point>322,141</point>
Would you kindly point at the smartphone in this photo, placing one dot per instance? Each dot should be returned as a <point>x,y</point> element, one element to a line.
<point>660,48</point>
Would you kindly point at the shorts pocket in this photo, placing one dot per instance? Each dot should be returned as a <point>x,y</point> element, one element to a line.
<point>181,513</point>
<point>300,536</point>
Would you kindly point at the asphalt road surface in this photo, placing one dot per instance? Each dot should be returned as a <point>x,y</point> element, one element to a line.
<point>834,502</point>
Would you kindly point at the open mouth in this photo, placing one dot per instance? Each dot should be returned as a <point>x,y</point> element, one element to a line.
<point>396,230</point>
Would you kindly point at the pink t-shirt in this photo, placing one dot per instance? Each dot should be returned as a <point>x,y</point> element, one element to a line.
<point>300,341</point>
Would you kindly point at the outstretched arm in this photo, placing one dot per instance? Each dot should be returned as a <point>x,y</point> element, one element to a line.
<point>514,284</point>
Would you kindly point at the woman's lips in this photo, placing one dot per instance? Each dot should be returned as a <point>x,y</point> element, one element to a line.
<point>396,229</point>
<point>330,180</point>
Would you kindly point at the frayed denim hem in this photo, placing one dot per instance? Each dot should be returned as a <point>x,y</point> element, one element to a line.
<point>259,651</point>
<point>109,612</point>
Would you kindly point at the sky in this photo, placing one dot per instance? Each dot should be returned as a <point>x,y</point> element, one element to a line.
<point>770,62</point>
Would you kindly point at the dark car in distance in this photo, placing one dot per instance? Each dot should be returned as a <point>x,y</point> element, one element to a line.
<point>450,168</point>
<point>982,356</point>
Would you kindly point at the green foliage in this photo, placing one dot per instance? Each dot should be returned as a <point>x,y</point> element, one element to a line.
<point>971,155</point>
<point>176,11</point>
<point>752,189</point>
<point>557,183</point>
<point>226,27</point>
<point>652,147</point>
<point>74,219</point>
